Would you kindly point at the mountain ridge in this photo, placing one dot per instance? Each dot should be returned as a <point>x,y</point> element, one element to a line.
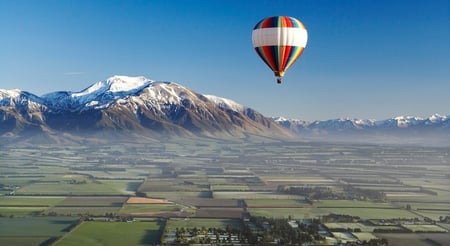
<point>398,121</point>
<point>131,106</point>
<point>433,130</point>
<point>137,107</point>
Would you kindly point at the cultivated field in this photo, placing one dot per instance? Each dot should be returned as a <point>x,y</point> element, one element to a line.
<point>34,231</point>
<point>209,183</point>
<point>114,233</point>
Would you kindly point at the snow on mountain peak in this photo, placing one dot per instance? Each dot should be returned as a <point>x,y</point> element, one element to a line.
<point>115,84</point>
<point>125,83</point>
<point>165,92</point>
<point>226,103</point>
<point>7,96</point>
<point>406,121</point>
<point>435,118</point>
<point>364,122</point>
<point>98,95</point>
<point>18,97</point>
<point>279,119</point>
<point>9,93</point>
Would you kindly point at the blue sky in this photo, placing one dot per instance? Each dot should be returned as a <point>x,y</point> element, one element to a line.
<point>364,59</point>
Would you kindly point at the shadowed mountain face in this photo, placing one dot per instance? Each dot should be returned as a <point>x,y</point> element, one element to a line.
<point>130,107</point>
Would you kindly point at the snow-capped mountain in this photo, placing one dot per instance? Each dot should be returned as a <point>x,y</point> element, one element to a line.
<point>99,95</point>
<point>18,98</point>
<point>123,105</point>
<point>434,129</point>
<point>131,105</point>
<point>435,120</point>
<point>226,103</point>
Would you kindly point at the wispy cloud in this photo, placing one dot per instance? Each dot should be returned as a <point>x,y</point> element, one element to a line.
<point>73,73</point>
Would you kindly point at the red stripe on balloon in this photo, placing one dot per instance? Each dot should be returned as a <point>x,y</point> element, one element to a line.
<point>284,56</point>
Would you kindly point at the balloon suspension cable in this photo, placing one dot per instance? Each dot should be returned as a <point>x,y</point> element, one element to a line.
<point>278,80</point>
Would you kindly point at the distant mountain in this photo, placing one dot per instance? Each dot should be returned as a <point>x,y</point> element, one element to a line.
<point>140,109</point>
<point>133,107</point>
<point>402,129</point>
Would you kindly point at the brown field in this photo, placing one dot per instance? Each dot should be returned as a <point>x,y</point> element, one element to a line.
<point>145,200</point>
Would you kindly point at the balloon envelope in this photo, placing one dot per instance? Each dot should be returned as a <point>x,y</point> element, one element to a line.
<point>279,41</point>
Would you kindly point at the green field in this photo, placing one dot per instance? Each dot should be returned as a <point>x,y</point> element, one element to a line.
<point>364,236</point>
<point>358,226</point>
<point>82,210</point>
<point>21,211</point>
<point>373,213</point>
<point>276,203</point>
<point>344,237</point>
<point>425,228</point>
<point>93,201</point>
<point>445,226</point>
<point>30,201</point>
<point>351,204</point>
<point>229,187</point>
<point>114,233</point>
<point>33,230</point>
<point>88,188</point>
<point>247,195</point>
<point>296,213</point>
<point>26,205</point>
<point>433,214</point>
<point>172,185</point>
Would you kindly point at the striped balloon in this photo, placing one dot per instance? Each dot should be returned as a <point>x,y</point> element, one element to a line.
<point>279,41</point>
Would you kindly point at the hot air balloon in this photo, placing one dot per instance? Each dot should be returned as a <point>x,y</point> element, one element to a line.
<point>279,41</point>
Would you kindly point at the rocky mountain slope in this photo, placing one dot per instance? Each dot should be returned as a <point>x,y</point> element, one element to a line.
<point>125,106</point>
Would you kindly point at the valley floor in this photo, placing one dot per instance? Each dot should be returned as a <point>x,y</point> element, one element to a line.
<point>224,192</point>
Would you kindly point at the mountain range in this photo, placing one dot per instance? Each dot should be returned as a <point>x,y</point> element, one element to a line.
<point>140,108</point>
<point>433,130</point>
<point>133,107</point>
<point>400,122</point>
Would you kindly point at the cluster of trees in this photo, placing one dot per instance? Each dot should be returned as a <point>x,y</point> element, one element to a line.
<point>390,230</point>
<point>271,230</point>
<point>377,242</point>
<point>323,192</point>
<point>8,188</point>
<point>445,219</point>
<point>311,193</point>
<point>74,181</point>
<point>342,218</point>
<point>363,194</point>
<point>116,217</point>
